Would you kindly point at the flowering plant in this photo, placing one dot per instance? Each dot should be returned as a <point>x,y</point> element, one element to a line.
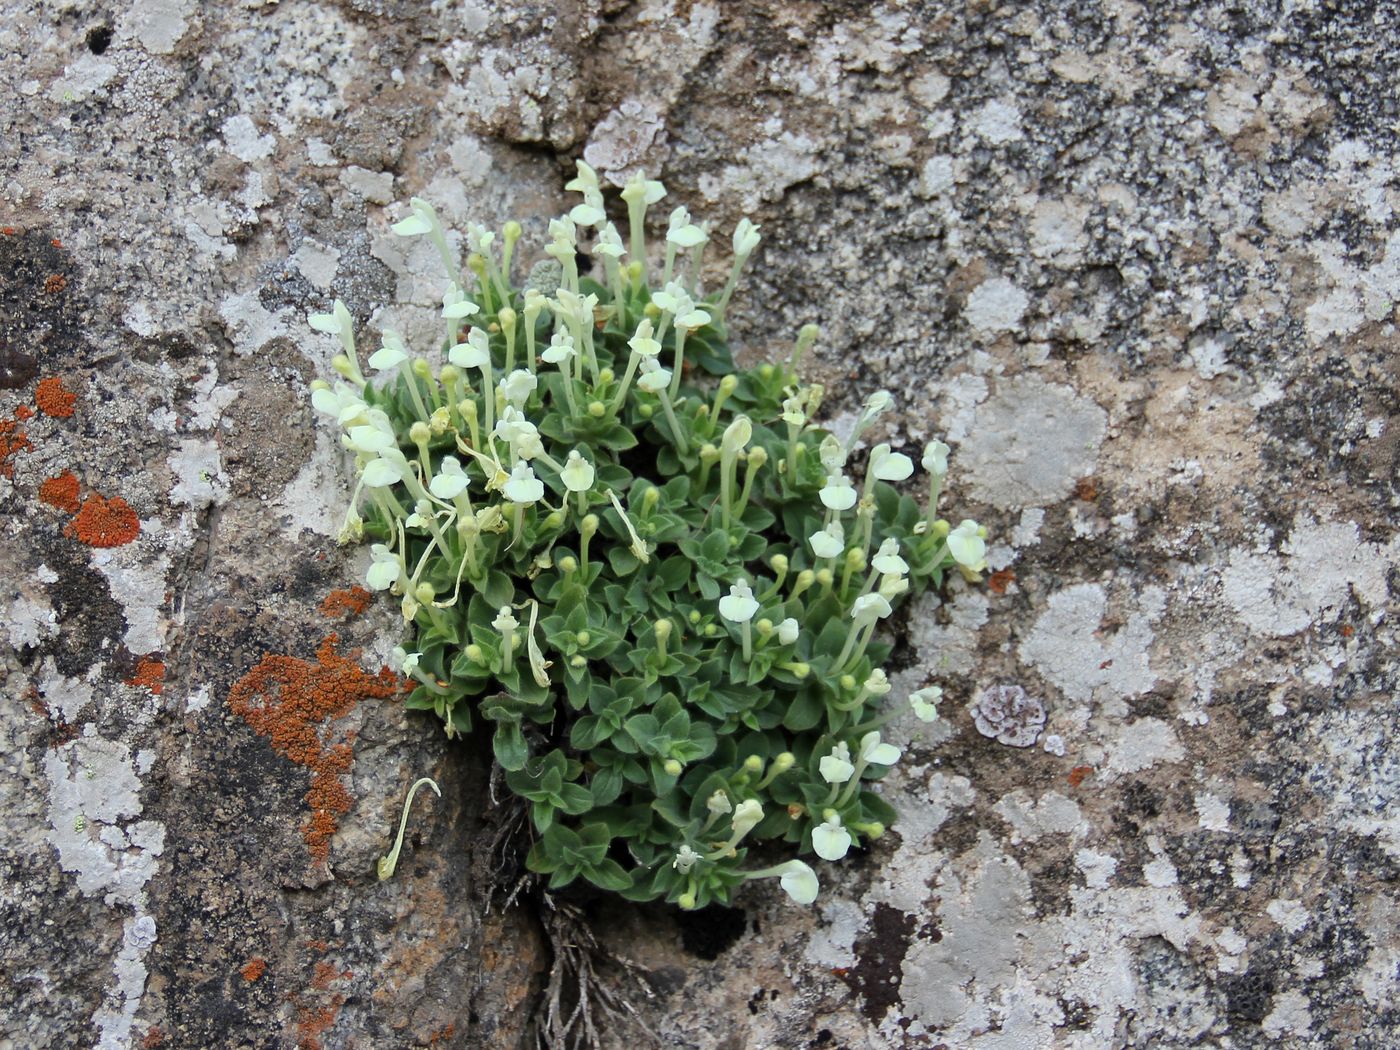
<point>659,592</point>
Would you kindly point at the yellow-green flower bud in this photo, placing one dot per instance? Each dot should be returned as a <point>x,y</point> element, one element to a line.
<point>824,577</point>
<point>753,764</point>
<point>645,410</point>
<point>764,627</point>
<point>650,498</point>
<point>779,563</point>
<point>583,637</point>
<point>672,767</point>
<point>589,525</point>
<point>709,453</point>
<point>554,520</point>
<point>507,317</point>
<point>847,682</point>
<point>578,662</point>
<point>729,384</point>
<point>941,528</point>
<point>686,901</point>
<point>784,761</point>
<point>474,653</point>
<point>421,368</point>
<point>424,593</point>
<point>663,629</point>
<point>606,376</point>
<point>568,563</point>
<point>420,433</point>
<point>694,615</point>
<point>450,374</point>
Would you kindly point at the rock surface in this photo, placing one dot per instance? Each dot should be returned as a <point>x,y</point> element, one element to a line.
<point>1136,263</point>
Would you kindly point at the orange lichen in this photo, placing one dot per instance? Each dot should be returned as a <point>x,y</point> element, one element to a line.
<point>54,399</point>
<point>153,1038</point>
<point>998,581</point>
<point>290,702</point>
<point>61,492</point>
<point>24,412</point>
<point>1086,489</point>
<point>103,522</point>
<point>150,675</point>
<point>312,1021</point>
<point>8,231</point>
<point>55,283</point>
<point>1078,774</point>
<point>13,441</point>
<point>347,604</point>
<point>253,969</point>
<point>442,1035</point>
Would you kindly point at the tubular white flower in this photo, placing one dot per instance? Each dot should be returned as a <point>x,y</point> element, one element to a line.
<point>367,438</point>
<point>838,493</point>
<point>479,238</point>
<point>878,684</point>
<point>868,608</point>
<point>887,560</point>
<point>828,542</point>
<point>836,768</point>
<point>682,232</point>
<point>925,703</point>
<point>647,191</point>
<point>505,620</point>
<point>385,568</point>
<point>746,238</point>
<point>455,304</point>
<point>685,860</point>
<point>890,466</point>
<point>654,379</point>
<point>389,356</point>
<point>747,816</point>
<point>967,546</point>
<point>609,243</point>
<point>642,342</point>
<point>405,661</point>
<point>474,353</point>
<point>875,404</point>
<point>518,386</point>
<point>718,803</point>
<point>798,881</point>
<point>830,840</point>
<point>413,225</point>
<point>874,753</point>
<point>450,480</point>
<point>692,319</point>
<point>578,473</point>
<point>935,459</point>
<point>380,473</point>
<point>793,413</point>
<point>832,454</point>
<point>560,349</point>
<point>788,631</point>
<point>523,487</point>
<point>736,436</point>
<point>739,605</point>
<point>673,299</point>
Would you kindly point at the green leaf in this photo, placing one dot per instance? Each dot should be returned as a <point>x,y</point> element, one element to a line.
<point>509,746</point>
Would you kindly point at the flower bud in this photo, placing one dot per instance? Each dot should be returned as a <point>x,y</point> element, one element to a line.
<point>583,637</point>
<point>784,761</point>
<point>420,433</point>
<point>578,663</point>
<point>589,525</point>
<point>474,653</point>
<point>597,409</point>
<point>672,768</point>
<point>606,376</point>
<point>421,368</point>
<point>662,630</point>
<point>568,563</point>
<point>779,563</point>
<point>686,901</point>
<point>554,520</point>
<point>764,627</point>
<point>847,682</point>
<point>450,374</point>
<point>824,577</point>
<point>753,764</point>
<point>425,593</point>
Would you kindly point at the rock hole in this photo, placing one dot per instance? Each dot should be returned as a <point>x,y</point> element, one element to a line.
<point>99,38</point>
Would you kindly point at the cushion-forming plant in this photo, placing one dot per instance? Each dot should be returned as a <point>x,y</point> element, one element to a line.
<point>645,572</point>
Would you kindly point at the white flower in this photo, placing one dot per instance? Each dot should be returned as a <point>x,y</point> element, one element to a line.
<point>746,817</point>
<point>527,443</point>
<point>337,322</point>
<point>474,353</point>
<point>830,840</point>
<point>868,608</point>
<point>787,631</point>
<point>654,378</point>
<point>585,182</point>
<point>878,684</point>
<point>736,435</point>
<point>891,587</point>
<point>341,402</point>
<point>518,386</point>
<point>887,560</point>
<point>450,480</point>
<point>828,542</point>
<point>505,620</point>
<point>836,768</point>
<point>369,438</point>
<point>718,803</point>
<point>673,299</point>
<point>682,232</point>
<point>649,191</point>
<point>389,356</point>
<point>875,404</point>
<point>479,238</point>
<point>642,343</point>
<point>739,605</point>
<point>925,703</point>
<point>746,238</point>
<point>685,860</point>
<point>935,459</point>
<point>890,466</point>
<point>523,486</point>
<point>799,881</point>
<point>421,516</point>
<point>967,546</point>
<point>832,454</point>
<point>577,474</point>
<point>838,493</point>
<point>874,753</point>
<point>384,568</point>
<point>692,319</point>
<point>380,473</point>
<point>794,414</point>
<point>455,304</point>
<point>609,242</point>
<point>418,222</point>
<point>406,661</point>
<point>512,426</point>
<point>586,214</point>
<point>560,349</point>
